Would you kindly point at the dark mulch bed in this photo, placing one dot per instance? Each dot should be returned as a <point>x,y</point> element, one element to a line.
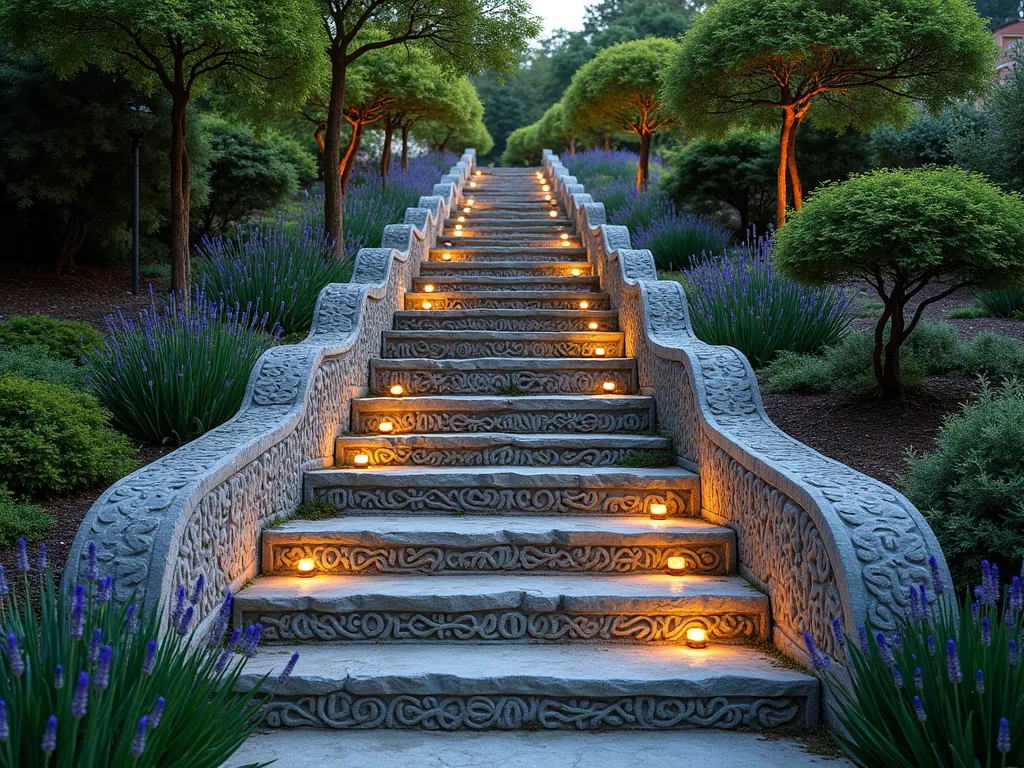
<point>88,293</point>
<point>866,433</point>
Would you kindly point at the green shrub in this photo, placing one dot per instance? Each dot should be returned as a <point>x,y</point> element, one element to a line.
<point>971,488</point>
<point>943,688</point>
<point>97,684</point>
<point>19,520</point>
<point>33,363</point>
<point>66,339</point>
<point>993,356</point>
<point>53,439</point>
<point>792,372</point>
<point>1004,303</point>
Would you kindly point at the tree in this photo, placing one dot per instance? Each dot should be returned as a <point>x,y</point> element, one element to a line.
<point>183,47</point>
<point>465,35</point>
<point>925,140</point>
<point>621,88</point>
<point>523,147</point>
<point>855,63</point>
<point>900,231</point>
<point>455,119</point>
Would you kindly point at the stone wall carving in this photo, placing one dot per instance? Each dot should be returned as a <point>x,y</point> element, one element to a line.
<point>498,381</point>
<point>821,539</point>
<point>503,455</point>
<point>340,709</point>
<point>518,422</point>
<point>199,510</point>
<point>461,347</point>
<point>486,300</point>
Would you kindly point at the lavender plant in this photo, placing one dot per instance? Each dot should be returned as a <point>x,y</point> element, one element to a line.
<point>940,690</point>
<point>677,239</point>
<point>737,298</point>
<point>90,683</point>
<point>179,370</point>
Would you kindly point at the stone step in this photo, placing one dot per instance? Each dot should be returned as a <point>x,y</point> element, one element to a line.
<point>503,449</point>
<point>617,414</point>
<point>508,300</point>
<point>480,544</point>
<point>505,490</point>
<point>465,284</point>
<point>506,320</point>
<point>448,345</point>
<point>501,212</point>
<point>488,254</point>
<point>504,376</point>
<point>431,270</point>
<point>489,687</point>
<point>456,608</point>
<point>478,222</point>
<point>519,241</point>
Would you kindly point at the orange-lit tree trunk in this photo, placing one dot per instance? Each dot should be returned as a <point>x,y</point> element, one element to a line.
<point>794,176</point>
<point>788,124</point>
<point>334,188</point>
<point>385,153</point>
<point>405,144</point>
<point>181,186</point>
<point>644,164</point>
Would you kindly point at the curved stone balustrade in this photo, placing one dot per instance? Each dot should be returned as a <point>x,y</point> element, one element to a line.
<point>821,539</point>
<point>199,511</point>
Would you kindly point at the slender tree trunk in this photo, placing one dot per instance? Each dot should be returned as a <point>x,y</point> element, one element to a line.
<point>385,155</point>
<point>794,177</point>
<point>351,154</point>
<point>572,147</point>
<point>180,192</point>
<point>318,135</point>
<point>74,238</point>
<point>334,191</point>
<point>878,353</point>
<point>643,166</point>
<point>892,380</point>
<point>607,143</point>
<point>780,176</point>
<point>405,145</point>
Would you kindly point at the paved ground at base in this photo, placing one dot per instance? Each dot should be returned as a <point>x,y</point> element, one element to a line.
<point>418,749</point>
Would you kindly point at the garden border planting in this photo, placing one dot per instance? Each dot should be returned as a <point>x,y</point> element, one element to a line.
<point>821,539</point>
<point>200,510</point>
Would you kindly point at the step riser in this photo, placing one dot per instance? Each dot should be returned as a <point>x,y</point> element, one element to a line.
<point>511,241</point>
<point>454,348</point>
<point>507,300</point>
<point>538,255</point>
<point>523,322</point>
<point>469,283</point>
<point>499,456</point>
<point>570,380</point>
<point>434,271</point>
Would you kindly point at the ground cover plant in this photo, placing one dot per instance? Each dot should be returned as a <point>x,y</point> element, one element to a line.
<point>89,682</point>
<point>20,520</point>
<point>34,363</point>
<point>942,689</point>
<point>181,368</point>
<point>62,339</point>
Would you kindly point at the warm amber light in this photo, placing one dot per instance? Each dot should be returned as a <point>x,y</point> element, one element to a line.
<point>564,236</point>
<point>472,183</point>
<point>676,566</point>
<point>446,257</point>
<point>461,219</point>
<point>584,305</point>
<point>427,305</point>
<point>599,352</point>
<point>459,233</point>
<point>576,273</point>
<point>386,426</point>
<point>478,173</point>
<point>608,386</point>
<point>659,512</point>
<point>592,326</point>
<point>547,197</point>
<point>553,214</point>
<point>466,210</point>
<point>361,460</point>
<point>546,188</point>
<point>471,201</point>
<point>428,288</point>
<point>458,227</point>
<point>306,567</point>
<point>397,390</point>
<point>696,637</point>
<point>566,244</point>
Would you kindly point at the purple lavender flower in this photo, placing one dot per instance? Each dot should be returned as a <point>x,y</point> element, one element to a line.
<point>1016,595</point>
<point>5,727</point>
<point>931,645</point>
<point>926,609</point>
<point>129,618</point>
<point>897,678</point>
<point>4,588</point>
<point>986,632</point>
<point>1003,740</point>
<point>157,713</point>
<point>222,660</point>
<point>179,607</point>
<point>913,604</point>
<point>885,650</point>
<point>94,646</point>
<point>290,667</point>
<point>938,585</point>
<point>139,742</point>
<point>837,633</point>
<point>993,584</point>
<point>220,625</point>
<point>41,558</point>
<point>103,673</point>
<point>58,677</point>
<point>251,640</point>
<point>976,608</point>
<point>979,681</point>
<point>197,591</point>
<point>14,654</point>
<point>91,570</point>
<point>953,663</point>
<point>80,701</point>
<point>78,612</point>
<point>918,679</point>
<point>919,709</point>
<point>22,557</point>
<point>897,641</point>
<point>865,646</point>
<point>105,590</point>
<point>50,735</point>
<point>186,621</point>
<point>150,661</point>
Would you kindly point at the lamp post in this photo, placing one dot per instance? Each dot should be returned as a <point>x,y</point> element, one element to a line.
<point>136,154</point>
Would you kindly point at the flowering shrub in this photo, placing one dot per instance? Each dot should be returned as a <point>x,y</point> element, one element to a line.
<point>737,298</point>
<point>181,369</point>
<point>941,690</point>
<point>90,683</point>
<point>677,239</point>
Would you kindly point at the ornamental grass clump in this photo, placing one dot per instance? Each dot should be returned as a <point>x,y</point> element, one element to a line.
<point>738,298</point>
<point>181,369</point>
<point>677,239</point>
<point>91,683</point>
<point>278,267</point>
<point>941,689</point>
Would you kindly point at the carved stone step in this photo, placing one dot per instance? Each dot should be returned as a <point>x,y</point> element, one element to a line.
<point>636,608</point>
<point>500,376</point>
<point>494,449</point>
<point>506,320</point>
<point>463,284</point>
<point>506,253</point>
<point>480,222</point>
<point>507,300</point>
<point>473,544</point>
<point>504,490</point>
<point>446,345</point>
<point>619,414</point>
<point>429,270</point>
<point>520,241</point>
<point>515,686</point>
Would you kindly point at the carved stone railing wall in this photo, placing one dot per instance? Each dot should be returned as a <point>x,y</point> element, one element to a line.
<point>821,539</point>
<point>199,511</point>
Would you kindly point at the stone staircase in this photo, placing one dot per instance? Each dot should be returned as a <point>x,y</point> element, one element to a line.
<point>494,561</point>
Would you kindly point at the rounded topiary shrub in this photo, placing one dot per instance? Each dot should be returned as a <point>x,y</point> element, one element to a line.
<point>53,439</point>
<point>67,339</point>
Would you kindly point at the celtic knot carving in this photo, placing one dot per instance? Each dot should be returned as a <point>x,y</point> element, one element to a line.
<point>562,422</point>
<point>496,456</point>
<point>484,301</point>
<point>455,347</point>
<point>496,382</point>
